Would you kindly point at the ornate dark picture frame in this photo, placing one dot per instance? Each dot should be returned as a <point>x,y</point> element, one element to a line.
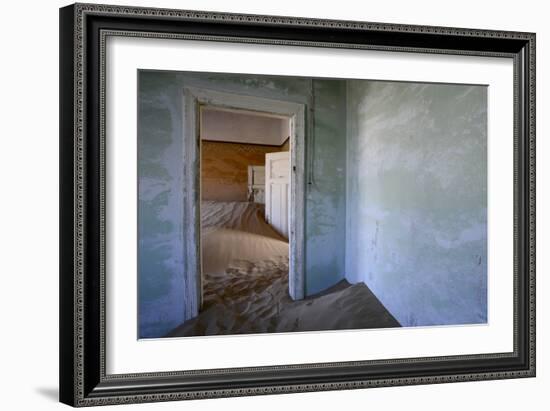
<point>83,30</point>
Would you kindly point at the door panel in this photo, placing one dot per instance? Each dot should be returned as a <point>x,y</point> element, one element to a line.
<point>277,182</point>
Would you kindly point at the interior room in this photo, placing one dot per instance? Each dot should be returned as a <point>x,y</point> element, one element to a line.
<point>394,206</point>
<point>245,209</point>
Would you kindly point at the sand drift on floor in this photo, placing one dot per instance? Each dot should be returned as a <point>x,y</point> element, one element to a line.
<point>245,282</point>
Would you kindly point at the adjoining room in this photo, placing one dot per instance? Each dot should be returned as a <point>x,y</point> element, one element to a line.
<point>244,218</point>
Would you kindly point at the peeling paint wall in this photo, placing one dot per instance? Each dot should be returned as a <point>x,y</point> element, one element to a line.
<point>417,199</point>
<point>160,170</point>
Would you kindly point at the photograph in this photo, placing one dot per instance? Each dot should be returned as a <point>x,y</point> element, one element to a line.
<point>257,204</point>
<point>323,204</point>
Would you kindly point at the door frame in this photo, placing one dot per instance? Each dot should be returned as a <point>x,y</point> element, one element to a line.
<point>193,99</point>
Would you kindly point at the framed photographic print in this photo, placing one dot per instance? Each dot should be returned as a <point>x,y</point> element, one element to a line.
<point>262,204</point>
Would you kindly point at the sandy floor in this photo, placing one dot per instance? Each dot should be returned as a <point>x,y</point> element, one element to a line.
<point>245,275</point>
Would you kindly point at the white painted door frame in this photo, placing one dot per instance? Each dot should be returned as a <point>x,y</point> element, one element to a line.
<point>193,98</point>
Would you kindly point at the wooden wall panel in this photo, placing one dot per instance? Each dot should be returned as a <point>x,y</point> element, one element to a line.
<point>224,168</point>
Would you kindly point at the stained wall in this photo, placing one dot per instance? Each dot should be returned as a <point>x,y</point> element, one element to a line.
<point>417,199</point>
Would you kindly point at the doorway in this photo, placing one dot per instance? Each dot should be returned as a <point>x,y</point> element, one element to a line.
<point>280,195</point>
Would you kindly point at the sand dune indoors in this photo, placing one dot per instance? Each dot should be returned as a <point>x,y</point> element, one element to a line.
<point>245,274</point>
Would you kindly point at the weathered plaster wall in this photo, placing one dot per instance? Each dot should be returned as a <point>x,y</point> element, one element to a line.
<point>224,169</point>
<point>160,170</point>
<point>326,198</point>
<point>160,211</point>
<point>417,199</point>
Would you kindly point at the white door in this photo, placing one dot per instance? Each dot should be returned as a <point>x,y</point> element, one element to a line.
<point>277,191</point>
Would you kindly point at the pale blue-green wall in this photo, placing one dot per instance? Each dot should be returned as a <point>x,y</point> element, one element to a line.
<point>407,215</point>
<point>160,169</point>
<point>326,194</point>
<point>417,199</point>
